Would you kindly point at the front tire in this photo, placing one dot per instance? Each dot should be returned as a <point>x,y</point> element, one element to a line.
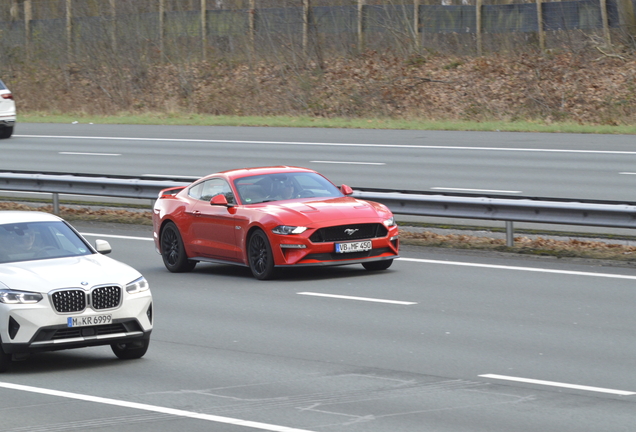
<point>173,250</point>
<point>5,361</point>
<point>130,350</point>
<point>260,257</point>
<point>377,265</point>
<point>6,132</point>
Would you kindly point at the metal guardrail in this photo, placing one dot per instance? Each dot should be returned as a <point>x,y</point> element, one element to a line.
<point>518,209</point>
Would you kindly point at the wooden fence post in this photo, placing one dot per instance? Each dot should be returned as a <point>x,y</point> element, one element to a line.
<point>541,30</point>
<point>478,4</point>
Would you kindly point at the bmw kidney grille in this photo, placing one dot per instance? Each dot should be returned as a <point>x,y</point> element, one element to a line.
<point>76,300</point>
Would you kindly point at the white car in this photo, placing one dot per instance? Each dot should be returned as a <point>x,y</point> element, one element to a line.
<point>7,111</point>
<point>59,292</point>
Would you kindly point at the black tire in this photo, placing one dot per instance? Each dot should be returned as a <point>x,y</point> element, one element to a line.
<point>131,350</point>
<point>173,251</point>
<point>260,257</point>
<point>377,265</point>
<point>6,132</point>
<point>5,361</point>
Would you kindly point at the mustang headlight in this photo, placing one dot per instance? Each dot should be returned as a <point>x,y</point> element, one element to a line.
<point>389,222</point>
<point>286,230</point>
<point>138,286</point>
<point>19,297</point>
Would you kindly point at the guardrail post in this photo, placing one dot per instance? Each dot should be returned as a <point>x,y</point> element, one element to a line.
<point>510,234</point>
<point>56,204</point>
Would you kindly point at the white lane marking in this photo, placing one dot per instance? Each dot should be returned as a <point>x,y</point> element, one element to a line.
<point>628,173</point>
<point>357,298</point>
<point>430,147</point>
<point>90,154</point>
<point>475,190</point>
<point>349,163</point>
<point>153,408</point>
<point>117,236</point>
<point>529,269</point>
<point>558,384</point>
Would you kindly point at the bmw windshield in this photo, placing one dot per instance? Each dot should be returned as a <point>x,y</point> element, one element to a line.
<point>39,240</point>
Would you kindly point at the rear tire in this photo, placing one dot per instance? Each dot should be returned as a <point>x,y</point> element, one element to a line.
<point>6,132</point>
<point>260,257</point>
<point>173,250</point>
<point>377,265</point>
<point>131,350</point>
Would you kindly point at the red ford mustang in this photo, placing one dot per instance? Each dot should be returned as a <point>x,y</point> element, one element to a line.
<point>271,218</point>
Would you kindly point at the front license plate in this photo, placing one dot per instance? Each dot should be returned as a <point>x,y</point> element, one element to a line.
<point>89,320</point>
<point>360,246</point>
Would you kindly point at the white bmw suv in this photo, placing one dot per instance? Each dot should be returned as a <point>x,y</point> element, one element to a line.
<point>59,292</point>
<point>7,112</point>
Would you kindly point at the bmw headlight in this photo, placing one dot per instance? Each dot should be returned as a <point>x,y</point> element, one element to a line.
<point>389,222</point>
<point>286,230</point>
<point>9,296</point>
<point>138,286</point>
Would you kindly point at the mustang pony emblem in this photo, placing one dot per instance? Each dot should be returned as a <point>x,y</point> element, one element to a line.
<point>351,231</point>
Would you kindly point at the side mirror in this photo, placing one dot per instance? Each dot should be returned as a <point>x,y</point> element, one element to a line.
<point>346,189</point>
<point>103,247</point>
<point>219,200</point>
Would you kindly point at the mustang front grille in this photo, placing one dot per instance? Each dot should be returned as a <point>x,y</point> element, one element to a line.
<point>76,300</point>
<point>348,232</point>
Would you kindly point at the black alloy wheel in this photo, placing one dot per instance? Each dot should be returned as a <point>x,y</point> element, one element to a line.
<point>377,265</point>
<point>173,251</point>
<point>260,257</point>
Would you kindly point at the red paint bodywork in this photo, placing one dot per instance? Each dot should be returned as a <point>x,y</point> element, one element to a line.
<point>219,233</point>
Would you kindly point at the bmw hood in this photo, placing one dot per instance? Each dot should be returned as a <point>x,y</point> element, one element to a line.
<point>49,274</point>
<point>347,209</point>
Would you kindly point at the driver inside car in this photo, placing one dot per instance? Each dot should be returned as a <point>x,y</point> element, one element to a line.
<point>283,190</point>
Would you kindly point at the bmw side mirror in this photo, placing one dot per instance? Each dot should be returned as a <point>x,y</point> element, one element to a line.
<point>346,189</point>
<point>103,247</point>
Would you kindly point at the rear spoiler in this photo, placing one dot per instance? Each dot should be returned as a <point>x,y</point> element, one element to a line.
<point>171,191</point>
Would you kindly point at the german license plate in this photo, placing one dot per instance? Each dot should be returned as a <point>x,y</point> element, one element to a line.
<point>360,246</point>
<point>89,320</point>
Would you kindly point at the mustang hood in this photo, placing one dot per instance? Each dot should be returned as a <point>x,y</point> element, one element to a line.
<point>335,209</point>
<point>45,275</point>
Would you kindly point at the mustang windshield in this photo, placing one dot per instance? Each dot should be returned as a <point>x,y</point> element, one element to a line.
<point>39,240</point>
<point>284,186</point>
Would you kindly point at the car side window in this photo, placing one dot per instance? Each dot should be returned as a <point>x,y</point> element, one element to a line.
<point>208,189</point>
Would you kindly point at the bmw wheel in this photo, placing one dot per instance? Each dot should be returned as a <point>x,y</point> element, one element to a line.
<point>5,361</point>
<point>6,132</point>
<point>377,265</point>
<point>260,257</point>
<point>130,350</point>
<point>173,251</point>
